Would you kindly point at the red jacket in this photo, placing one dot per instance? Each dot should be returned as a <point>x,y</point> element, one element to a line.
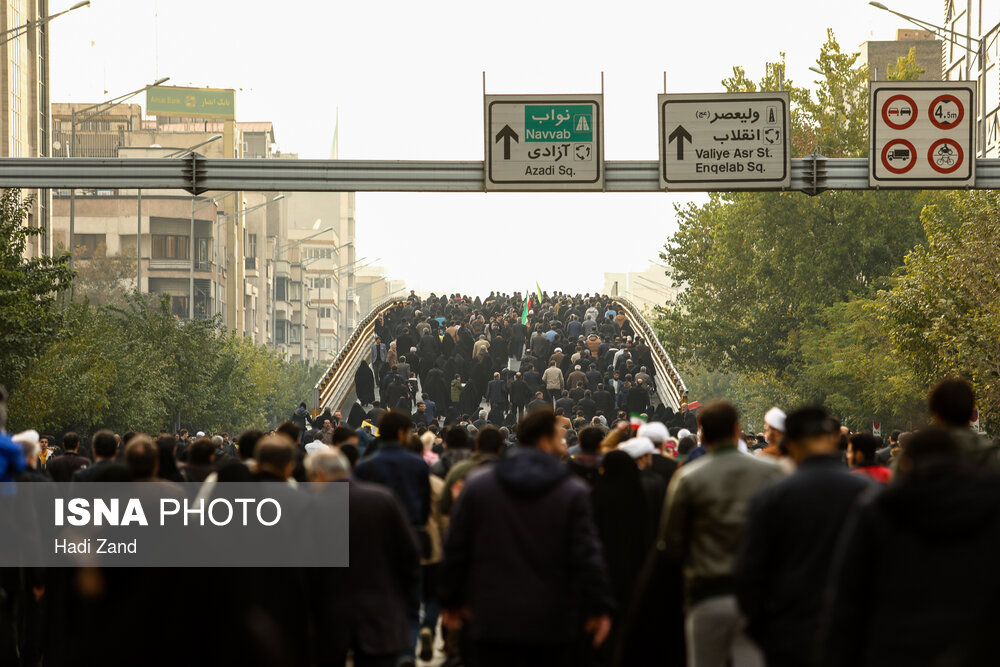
<point>880,474</point>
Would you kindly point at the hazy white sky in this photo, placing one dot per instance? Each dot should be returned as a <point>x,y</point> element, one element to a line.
<point>407,78</point>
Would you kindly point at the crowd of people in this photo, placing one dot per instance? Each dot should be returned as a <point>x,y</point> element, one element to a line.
<point>519,495</point>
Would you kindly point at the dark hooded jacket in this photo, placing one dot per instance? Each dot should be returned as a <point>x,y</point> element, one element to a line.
<point>522,552</point>
<point>301,418</point>
<point>938,535</point>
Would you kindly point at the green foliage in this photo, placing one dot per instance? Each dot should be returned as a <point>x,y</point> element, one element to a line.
<point>136,367</point>
<point>836,118</point>
<point>103,279</point>
<point>943,313</point>
<point>850,366</point>
<point>906,68</point>
<point>29,291</point>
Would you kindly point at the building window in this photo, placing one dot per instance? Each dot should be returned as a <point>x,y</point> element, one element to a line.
<point>169,246</point>
<point>322,283</point>
<point>88,242</point>
<point>251,245</point>
<point>179,306</point>
<point>317,253</point>
<point>281,289</point>
<point>326,312</point>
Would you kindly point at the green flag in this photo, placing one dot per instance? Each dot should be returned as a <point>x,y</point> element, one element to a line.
<point>527,307</point>
<point>539,292</point>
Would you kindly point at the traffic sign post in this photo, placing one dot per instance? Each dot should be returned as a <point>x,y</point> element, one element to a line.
<point>922,134</point>
<point>544,142</point>
<point>725,141</point>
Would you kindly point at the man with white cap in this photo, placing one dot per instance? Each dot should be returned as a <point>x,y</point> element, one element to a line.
<point>641,450</point>
<point>661,464</point>
<point>774,433</point>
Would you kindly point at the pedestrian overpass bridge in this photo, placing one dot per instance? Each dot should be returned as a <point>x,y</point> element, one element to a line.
<point>335,390</point>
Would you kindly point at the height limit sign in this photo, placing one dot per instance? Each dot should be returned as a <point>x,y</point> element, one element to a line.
<point>544,142</point>
<point>922,134</point>
<point>725,141</point>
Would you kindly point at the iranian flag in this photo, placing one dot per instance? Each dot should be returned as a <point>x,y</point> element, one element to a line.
<point>527,307</point>
<point>635,421</point>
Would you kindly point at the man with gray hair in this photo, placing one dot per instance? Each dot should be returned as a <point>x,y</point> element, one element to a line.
<point>327,465</point>
<point>364,606</point>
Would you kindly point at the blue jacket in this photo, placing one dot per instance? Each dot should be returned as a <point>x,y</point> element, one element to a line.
<point>405,473</point>
<point>11,458</point>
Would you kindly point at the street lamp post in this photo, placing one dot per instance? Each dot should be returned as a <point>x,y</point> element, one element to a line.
<point>84,114</point>
<point>14,33</point>
<point>980,52</point>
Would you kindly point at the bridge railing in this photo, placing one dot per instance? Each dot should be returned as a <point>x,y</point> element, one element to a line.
<point>335,385</point>
<point>670,386</point>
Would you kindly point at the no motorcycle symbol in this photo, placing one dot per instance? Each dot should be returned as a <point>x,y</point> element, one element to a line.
<point>945,156</point>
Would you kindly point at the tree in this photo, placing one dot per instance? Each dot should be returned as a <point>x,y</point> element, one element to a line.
<point>136,367</point>
<point>850,365</point>
<point>906,68</point>
<point>103,279</point>
<point>94,377</point>
<point>943,313</point>
<point>29,290</point>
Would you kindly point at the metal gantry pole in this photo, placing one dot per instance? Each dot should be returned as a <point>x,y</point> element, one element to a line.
<point>138,241</point>
<point>72,190</point>
<point>274,295</point>
<point>191,270</point>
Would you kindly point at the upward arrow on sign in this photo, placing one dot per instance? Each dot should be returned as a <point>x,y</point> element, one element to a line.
<point>507,133</point>
<point>680,134</point>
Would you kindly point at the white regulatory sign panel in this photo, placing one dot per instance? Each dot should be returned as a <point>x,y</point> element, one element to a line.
<point>922,134</point>
<point>725,141</point>
<point>544,142</point>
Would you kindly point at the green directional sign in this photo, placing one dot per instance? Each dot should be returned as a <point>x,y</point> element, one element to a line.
<point>569,122</point>
<point>544,142</point>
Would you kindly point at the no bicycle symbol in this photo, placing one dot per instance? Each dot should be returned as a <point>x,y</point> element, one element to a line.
<point>945,156</point>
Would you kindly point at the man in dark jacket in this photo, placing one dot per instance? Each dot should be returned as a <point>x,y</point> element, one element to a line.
<point>520,395</point>
<point>496,394</point>
<point>937,526</point>
<point>105,447</point>
<point>565,403</point>
<point>301,418</point>
<point>526,520</point>
<point>405,473</point>
<point>364,607</point>
<point>790,538</point>
<point>637,398</point>
<point>605,402</point>
<point>533,379</point>
<point>62,467</point>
